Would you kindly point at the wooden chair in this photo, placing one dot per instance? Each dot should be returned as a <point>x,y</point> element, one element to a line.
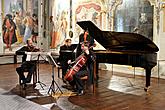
<point>85,79</point>
<point>59,68</point>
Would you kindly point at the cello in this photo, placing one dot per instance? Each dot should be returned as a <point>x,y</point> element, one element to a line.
<point>79,62</point>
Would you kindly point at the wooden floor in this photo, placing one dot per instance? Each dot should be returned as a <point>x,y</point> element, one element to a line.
<point>119,91</point>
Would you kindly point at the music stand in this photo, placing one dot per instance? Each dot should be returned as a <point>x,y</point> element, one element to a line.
<point>38,77</point>
<point>33,56</point>
<point>54,64</point>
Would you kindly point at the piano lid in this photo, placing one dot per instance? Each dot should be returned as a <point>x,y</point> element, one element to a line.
<point>120,41</point>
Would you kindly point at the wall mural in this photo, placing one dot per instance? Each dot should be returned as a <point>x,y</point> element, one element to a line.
<point>118,15</point>
<point>87,11</point>
<point>15,21</point>
<point>135,16</point>
<point>9,31</point>
<point>60,14</point>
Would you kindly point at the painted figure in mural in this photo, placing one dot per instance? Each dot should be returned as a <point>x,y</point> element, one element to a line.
<point>35,28</point>
<point>20,27</point>
<point>94,17</point>
<point>55,37</point>
<point>28,21</point>
<point>143,18</point>
<point>64,25</point>
<point>51,30</point>
<point>9,34</point>
<point>56,32</point>
<point>136,30</point>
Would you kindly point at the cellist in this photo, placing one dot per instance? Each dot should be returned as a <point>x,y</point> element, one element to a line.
<point>86,44</point>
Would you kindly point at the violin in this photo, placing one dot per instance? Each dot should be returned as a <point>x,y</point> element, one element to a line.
<point>33,49</point>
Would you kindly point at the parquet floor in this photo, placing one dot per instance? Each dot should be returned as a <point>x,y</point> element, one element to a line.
<point>119,91</point>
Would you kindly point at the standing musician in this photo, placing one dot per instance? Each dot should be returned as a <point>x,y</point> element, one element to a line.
<point>86,43</point>
<point>28,66</point>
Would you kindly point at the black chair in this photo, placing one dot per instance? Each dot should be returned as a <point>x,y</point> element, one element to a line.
<point>34,75</point>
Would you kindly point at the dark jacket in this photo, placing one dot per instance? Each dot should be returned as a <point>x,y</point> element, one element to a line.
<point>24,49</point>
<point>89,39</point>
<point>66,53</point>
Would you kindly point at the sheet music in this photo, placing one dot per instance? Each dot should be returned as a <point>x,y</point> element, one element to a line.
<point>34,55</point>
<point>28,58</point>
<point>51,59</point>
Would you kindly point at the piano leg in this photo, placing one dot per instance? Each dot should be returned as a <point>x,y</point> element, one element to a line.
<point>148,77</point>
<point>96,66</point>
<point>96,70</point>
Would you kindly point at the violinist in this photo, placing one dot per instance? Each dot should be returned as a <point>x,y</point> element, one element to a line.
<point>28,66</point>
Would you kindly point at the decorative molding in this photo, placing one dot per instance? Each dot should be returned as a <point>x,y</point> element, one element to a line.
<point>113,4</point>
<point>88,6</point>
<point>159,6</point>
<point>152,2</point>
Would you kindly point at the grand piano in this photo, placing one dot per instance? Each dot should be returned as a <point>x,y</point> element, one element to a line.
<point>123,48</point>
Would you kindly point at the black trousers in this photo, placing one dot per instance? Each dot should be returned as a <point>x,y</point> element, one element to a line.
<point>64,69</point>
<point>78,81</point>
<point>29,67</point>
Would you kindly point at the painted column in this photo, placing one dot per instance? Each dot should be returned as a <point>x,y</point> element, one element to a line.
<point>163,9</point>
<point>43,24</point>
<point>1,38</point>
<point>104,20</point>
<point>40,23</point>
<point>70,15</point>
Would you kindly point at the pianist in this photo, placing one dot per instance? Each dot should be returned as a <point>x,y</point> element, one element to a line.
<point>66,55</point>
<point>26,66</point>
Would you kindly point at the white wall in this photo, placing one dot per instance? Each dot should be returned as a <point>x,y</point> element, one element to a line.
<point>161,41</point>
<point>162,38</point>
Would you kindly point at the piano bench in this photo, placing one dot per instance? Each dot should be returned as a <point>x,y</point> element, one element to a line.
<point>59,68</point>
